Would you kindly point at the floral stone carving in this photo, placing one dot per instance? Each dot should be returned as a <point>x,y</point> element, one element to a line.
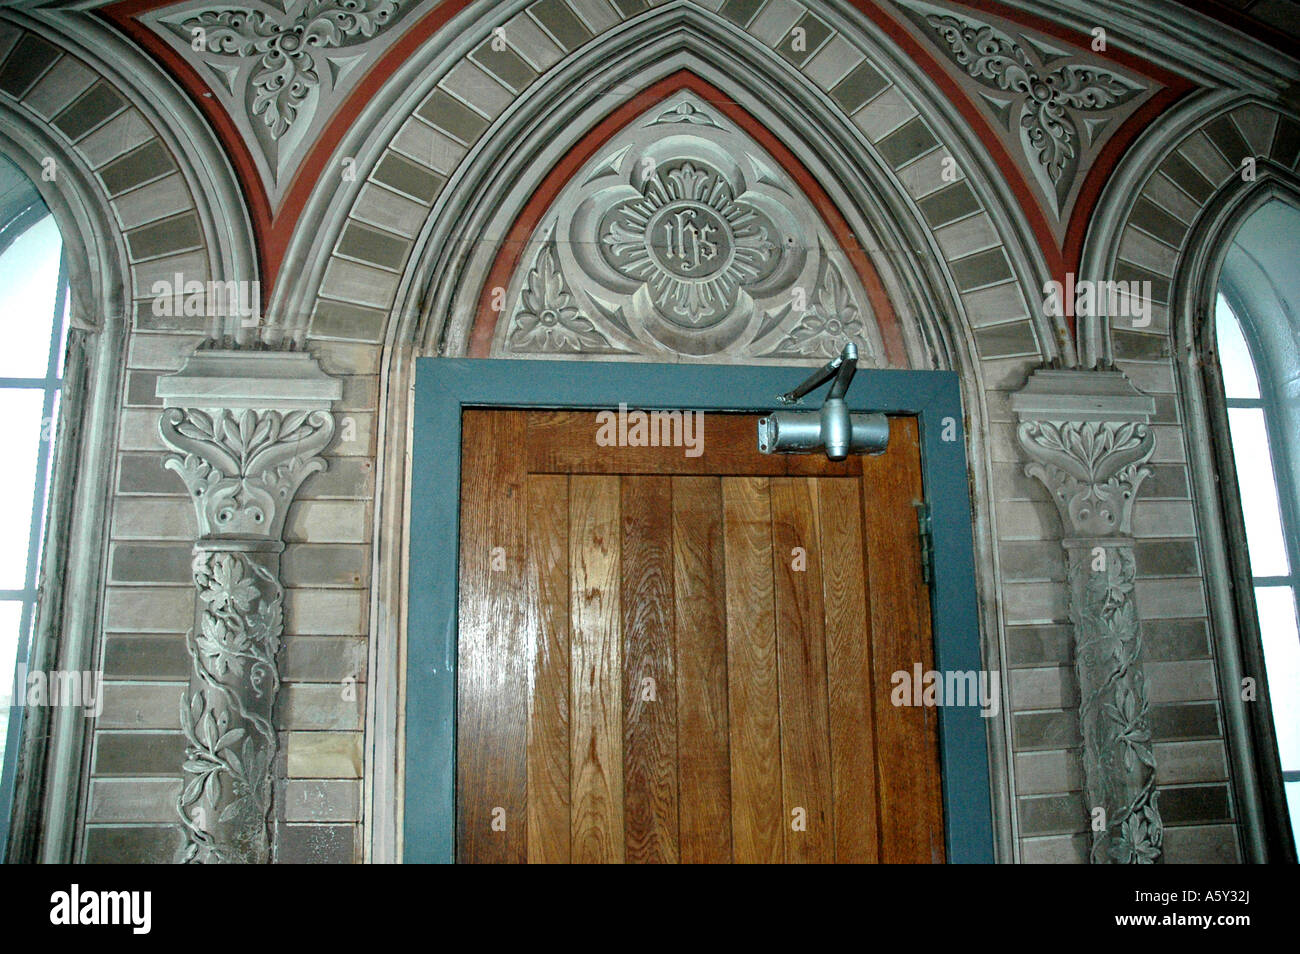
<point>683,237</point>
<point>242,463</point>
<point>1088,442</point>
<point>1047,98</point>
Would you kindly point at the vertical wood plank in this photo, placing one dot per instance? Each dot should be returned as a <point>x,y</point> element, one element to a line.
<point>911,820</point>
<point>649,672</point>
<point>495,643</point>
<point>801,661</point>
<point>595,713</point>
<point>702,726</point>
<point>752,688</point>
<point>848,672</point>
<point>548,711</point>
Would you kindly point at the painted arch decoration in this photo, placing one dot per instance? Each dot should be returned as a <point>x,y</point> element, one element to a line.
<point>683,236</point>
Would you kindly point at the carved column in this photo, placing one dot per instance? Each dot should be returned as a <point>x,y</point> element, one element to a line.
<point>1087,436</point>
<point>249,428</point>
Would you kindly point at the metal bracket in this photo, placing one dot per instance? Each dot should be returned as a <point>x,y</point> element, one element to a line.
<point>925,530</point>
<point>833,428</point>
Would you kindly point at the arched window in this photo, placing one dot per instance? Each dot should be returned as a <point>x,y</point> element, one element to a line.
<point>1257,337</point>
<point>34,308</point>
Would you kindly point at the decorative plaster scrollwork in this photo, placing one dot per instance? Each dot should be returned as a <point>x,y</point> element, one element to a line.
<point>1048,99</point>
<point>285,54</point>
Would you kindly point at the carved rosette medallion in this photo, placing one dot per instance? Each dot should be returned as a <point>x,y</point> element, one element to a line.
<point>683,237</point>
<point>242,463</point>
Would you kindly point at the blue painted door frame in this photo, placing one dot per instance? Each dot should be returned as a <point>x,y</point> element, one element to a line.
<point>445,386</point>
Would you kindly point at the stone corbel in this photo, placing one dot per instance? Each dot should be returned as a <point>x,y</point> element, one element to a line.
<point>1088,439</point>
<point>249,427</point>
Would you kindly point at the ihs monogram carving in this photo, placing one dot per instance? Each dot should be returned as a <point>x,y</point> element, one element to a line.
<point>1047,100</point>
<point>691,242</point>
<point>285,53</point>
<point>243,467</point>
<point>1093,470</point>
<point>684,238</point>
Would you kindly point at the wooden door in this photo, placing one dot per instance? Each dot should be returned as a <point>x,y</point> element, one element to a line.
<point>666,657</point>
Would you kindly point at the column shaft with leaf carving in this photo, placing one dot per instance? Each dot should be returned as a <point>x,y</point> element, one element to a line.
<point>1093,466</point>
<point>242,461</point>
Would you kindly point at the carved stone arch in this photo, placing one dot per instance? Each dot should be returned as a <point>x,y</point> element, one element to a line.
<point>96,78</point>
<point>387,133</point>
<point>1256,774</point>
<point>1202,141</point>
<point>90,120</point>
<point>438,280</point>
<point>1167,217</point>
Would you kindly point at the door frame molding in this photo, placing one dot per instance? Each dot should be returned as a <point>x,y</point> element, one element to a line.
<point>444,387</point>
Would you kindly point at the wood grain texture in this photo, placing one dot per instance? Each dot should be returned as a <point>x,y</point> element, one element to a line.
<point>848,672</point>
<point>910,806</point>
<point>492,674</point>
<point>757,824</point>
<point>801,661</point>
<point>649,671</point>
<point>595,694</point>
<point>564,442</point>
<point>772,684</point>
<point>548,709</point>
<point>699,574</point>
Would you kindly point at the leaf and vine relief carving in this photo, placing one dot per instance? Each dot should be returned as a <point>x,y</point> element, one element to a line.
<point>683,237</point>
<point>1114,709</point>
<point>285,54</point>
<point>1093,470</point>
<point>242,468</point>
<point>1052,99</point>
<point>226,716</point>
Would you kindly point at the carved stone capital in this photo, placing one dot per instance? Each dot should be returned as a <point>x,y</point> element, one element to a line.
<point>250,427</point>
<point>1088,441</point>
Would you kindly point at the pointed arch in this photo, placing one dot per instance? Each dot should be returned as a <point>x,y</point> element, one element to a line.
<point>1167,218</point>
<point>510,255</point>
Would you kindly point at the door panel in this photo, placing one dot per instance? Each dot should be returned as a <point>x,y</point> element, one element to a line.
<point>669,658</point>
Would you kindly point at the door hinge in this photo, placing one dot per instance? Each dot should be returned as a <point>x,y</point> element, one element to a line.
<point>925,531</point>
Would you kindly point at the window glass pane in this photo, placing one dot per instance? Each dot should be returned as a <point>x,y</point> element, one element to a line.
<point>1239,379</point>
<point>29,278</point>
<point>1277,624</point>
<point>1258,492</point>
<point>20,435</point>
<point>11,612</point>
